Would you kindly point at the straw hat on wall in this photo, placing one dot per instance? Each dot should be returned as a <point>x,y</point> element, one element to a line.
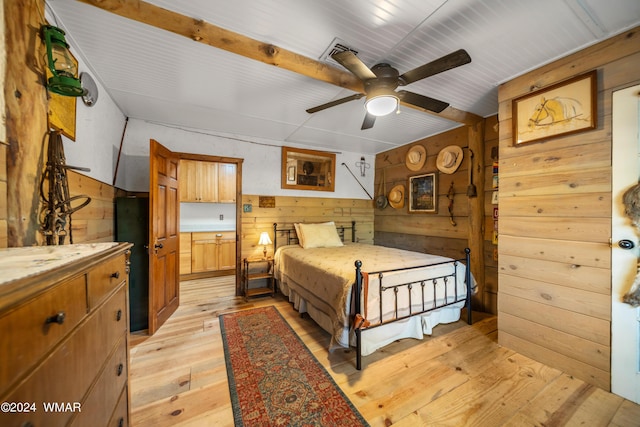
<point>416,156</point>
<point>396,197</point>
<point>449,159</point>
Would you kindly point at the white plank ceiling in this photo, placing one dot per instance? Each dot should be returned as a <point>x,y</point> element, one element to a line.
<point>162,77</point>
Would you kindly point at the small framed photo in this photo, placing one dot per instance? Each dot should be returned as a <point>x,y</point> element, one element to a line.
<point>563,108</point>
<point>423,193</point>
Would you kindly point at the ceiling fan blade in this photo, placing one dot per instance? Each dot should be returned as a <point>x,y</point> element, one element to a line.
<point>447,62</point>
<point>351,62</point>
<point>334,103</point>
<point>422,101</point>
<point>368,122</point>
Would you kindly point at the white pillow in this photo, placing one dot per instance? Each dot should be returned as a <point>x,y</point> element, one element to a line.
<point>298,233</point>
<point>322,235</point>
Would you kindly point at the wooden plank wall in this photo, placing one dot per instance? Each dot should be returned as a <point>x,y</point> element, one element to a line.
<point>26,119</point>
<point>23,140</point>
<point>555,223</point>
<point>288,210</point>
<point>3,138</point>
<point>435,233</point>
<point>3,196</point>
<point>96,221</point>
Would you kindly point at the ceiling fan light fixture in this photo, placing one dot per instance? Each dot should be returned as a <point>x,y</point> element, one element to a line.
<point>382,104</point>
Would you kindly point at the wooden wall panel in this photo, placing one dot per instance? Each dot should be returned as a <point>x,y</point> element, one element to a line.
<point>594,180</point>
<point>554,301</point>
<point>585,371</point>
<point>569,252</point>
<point>26,118</point>
<point>582,325</point>
<point>596,230</point>
<point>567,344</point>
<point>571,299</point>
<point>435,233</point>
<point>96,221</point>
<point>289,210</point>
<point>571,275</point>
<point>3,194</point>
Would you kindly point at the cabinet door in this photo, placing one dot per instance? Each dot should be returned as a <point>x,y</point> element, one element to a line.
<point>188,181</point>
<point>226,182</point>
<point>204,255</point>
<point>185,253</point>
<point>226,254</point>
<point>208,182</point>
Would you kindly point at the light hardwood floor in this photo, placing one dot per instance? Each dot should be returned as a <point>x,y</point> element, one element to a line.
<point>458,377</point>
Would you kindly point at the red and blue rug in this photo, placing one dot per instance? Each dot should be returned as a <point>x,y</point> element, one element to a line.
<point>274,379</point>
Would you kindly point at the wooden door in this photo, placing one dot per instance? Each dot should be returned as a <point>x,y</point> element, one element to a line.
<point>625,319</point>
<point>164,257</point>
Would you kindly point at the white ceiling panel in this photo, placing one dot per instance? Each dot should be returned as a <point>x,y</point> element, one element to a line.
<point>166,78</point>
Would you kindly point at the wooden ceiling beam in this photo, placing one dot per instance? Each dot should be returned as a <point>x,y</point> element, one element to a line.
<point>212,35</point>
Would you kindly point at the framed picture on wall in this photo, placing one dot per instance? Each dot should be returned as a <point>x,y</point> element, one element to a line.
<point>423,193</point>
<point>563,108</point>
<point>308,169</point>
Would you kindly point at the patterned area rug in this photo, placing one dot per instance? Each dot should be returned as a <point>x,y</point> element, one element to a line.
<point>274,379</point>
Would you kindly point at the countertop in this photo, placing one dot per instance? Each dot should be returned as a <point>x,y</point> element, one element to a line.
<point>17,263</point>
<point>195,228</point>
<point>28,271</point>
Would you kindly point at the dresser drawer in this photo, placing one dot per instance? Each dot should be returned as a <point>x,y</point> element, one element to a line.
<point>26,336</point>
<point>103,397</point>
<point>67,374</point>
<point>104,278</point>
<point>120,416</point>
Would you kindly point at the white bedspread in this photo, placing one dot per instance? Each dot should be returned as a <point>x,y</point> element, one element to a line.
<point>319,281</point>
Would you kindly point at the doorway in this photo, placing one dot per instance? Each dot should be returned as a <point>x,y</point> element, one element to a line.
<point>164,230</point>
<point>213,214</point>
<point>625,319</point>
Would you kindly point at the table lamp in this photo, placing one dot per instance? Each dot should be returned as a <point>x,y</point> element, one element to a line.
<point>264,241</point>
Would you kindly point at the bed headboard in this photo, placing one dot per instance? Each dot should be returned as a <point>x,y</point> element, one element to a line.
<point>291,238</point>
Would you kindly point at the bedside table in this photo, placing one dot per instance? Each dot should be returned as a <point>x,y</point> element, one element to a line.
<point>251,273</point>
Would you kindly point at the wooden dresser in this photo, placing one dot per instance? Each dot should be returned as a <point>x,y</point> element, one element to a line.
<point>64,321</point>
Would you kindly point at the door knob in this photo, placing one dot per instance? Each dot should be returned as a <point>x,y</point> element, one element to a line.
<point>626,244</point>
<point>158,246</point>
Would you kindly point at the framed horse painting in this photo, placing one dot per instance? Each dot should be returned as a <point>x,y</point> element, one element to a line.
<point>563,108</point>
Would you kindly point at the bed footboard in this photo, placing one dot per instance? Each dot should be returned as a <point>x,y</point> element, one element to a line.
<point>426,287</point>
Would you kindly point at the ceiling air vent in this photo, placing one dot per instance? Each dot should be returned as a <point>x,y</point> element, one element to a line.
<point>336,46</point>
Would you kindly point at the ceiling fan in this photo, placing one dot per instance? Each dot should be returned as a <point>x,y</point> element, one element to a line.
<point>380,83</point>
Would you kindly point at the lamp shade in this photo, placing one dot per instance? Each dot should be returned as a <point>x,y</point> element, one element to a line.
<point>264,239</point>
<point>381,101</point>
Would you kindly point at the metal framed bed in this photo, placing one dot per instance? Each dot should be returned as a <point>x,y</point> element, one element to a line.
<point>400,293</point>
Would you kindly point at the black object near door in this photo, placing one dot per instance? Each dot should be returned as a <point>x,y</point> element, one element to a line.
<point>132,225</point>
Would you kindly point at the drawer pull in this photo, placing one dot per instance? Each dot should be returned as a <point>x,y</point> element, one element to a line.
<point>56,318</point>
<point>121,422</point>
<point>119,315</point>
<point>120,369</point>
<point>115,275</point>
